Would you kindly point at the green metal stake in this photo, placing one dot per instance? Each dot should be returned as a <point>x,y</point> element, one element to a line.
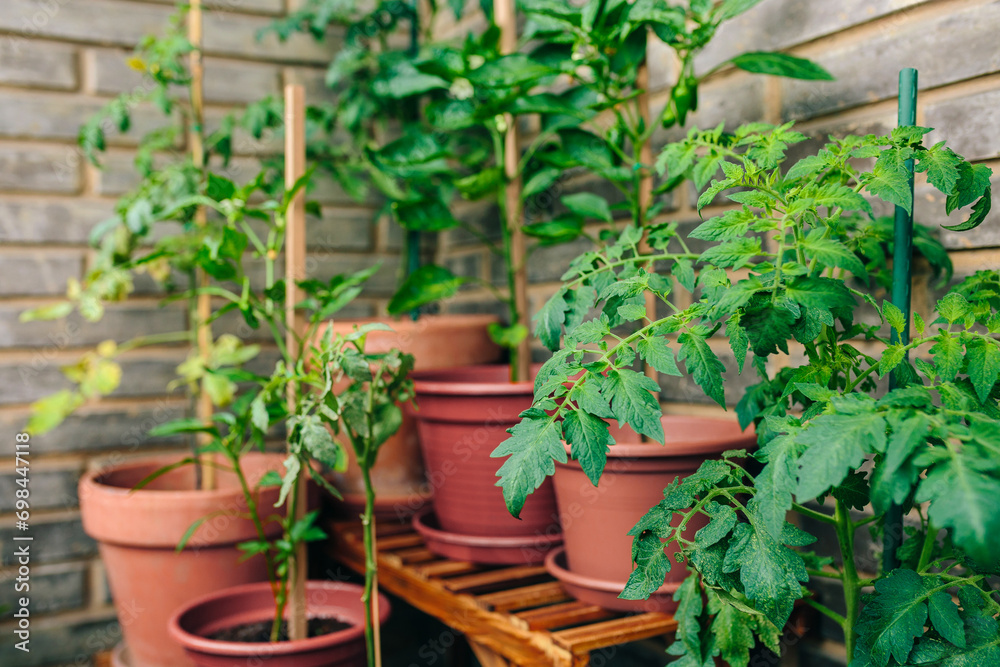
<point>901,281</point>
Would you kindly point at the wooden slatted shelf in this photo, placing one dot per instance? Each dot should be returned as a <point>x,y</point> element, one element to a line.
<point>511,615</point>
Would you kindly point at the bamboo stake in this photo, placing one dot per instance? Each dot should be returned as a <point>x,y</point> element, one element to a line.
<point>295,264</point>
<point>203,407</point>
<point>646,189</point>
<point>506,20</point>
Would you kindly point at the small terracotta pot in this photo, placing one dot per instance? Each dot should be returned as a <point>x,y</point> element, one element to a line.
<point>138,532</point>
<point>254,603</point>
<point>435,341</point>
<point>462,415</point>
<point>596,520</point>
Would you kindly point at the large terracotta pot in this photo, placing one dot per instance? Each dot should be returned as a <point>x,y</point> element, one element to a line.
<point>462,415</point>
<point>138,532</point>
<point>435,341</point>
<point>254,603</point>
<point>596,520</point>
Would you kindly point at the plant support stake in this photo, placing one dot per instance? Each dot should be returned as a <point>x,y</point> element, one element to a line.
<point>901,284</point>
<point>203,406</point>
<point>295,266</point>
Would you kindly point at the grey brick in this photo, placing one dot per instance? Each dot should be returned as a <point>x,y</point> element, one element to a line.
<point>967,123</point>
<point>59,116</point>
<point>54,540</point>
<point>313,80</point>
<point>36,273</point>
<point>920,45</point>
<point>52,588</point>
<point>29,380</point>
<point>262,6</point>
<point>51,488</point>
<point>341,229</point>
<point>234,34</point>
<point>34,220</point>
<point>123,429</point>
<point>65,640</point>
<point>226,81</point>
<point>36,64</point>
<point>120,323</point>
<point>39,169</point>
<point>777,24</point>
<point>102,21</point>
<point>116,22</point>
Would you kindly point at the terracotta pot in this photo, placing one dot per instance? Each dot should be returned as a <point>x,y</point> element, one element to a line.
<point>138,533</point>
<point>254,603</point>
<point>462,415</point>
<point>435,341</point>
<point>596,520</point>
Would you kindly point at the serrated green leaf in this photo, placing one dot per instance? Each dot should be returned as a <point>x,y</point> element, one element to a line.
<point>534,444</point>
<point>894,316</point>
<point>549,320</point>
<point>427,284</point>
<point>891,618</point>
<point>835,444</point>
<point>889,180</point>
<point>770,572</point>
<point>658,354</point>
<point>781,64</point>
<point>589,438</point>
<point>941,165</point>
<point>944,617</point>
<point>588,205</point>
<point>776,482</point>
<point>703,365</point>
<point>633,398</point>
<point>983,365</point>
<point>948,356</point>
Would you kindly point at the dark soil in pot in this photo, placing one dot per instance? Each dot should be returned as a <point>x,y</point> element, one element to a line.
<point>462,415</point>
<point>260,631</point>
<point>194,625</point>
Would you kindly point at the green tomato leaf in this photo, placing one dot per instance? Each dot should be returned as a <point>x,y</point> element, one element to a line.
<point>534,443</point>
<point>425,285</point>
<point>703,365</point>
<point>836,444</point>
<point>589,438</point>
<point>781,64</point>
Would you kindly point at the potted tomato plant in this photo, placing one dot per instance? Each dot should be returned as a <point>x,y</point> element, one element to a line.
<point>832,440</point>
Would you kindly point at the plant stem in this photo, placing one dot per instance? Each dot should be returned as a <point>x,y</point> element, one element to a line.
<point>813,514</point>
<point>845,535</point>
<point>930,539</point>
<point>370,591</point>
<point>826,611</point>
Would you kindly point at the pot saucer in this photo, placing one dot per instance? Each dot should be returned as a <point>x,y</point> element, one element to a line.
<point>519,550</point>
<point>605,593</point>
<point>392,509</point>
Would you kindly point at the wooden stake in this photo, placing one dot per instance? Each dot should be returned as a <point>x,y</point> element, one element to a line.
<point>506,19</point>
<point>646,190</point>
<point>203,407</point>
<point>295,265</point>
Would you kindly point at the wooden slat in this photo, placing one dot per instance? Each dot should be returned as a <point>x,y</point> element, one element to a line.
<point>415,555</point>
<point>446,568</point>
<point>618,631</point>
<point>563,615</point>
<point>483,580</point>
<point>524,597</point>
<point>403,541</point>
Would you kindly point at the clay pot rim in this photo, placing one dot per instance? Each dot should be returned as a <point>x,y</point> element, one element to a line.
<point>191,641</point>
<point>404,324</point>
<point>90,483</point>
<point>479,541</point>
<point>681,448</point>
<point>437,382</point>
<point>560,571</point>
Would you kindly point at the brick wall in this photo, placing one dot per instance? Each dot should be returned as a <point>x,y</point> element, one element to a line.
<point>864,43</point>
<point>61,60</point>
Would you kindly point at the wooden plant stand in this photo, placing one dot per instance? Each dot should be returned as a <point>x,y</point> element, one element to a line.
<point>511,615</point>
